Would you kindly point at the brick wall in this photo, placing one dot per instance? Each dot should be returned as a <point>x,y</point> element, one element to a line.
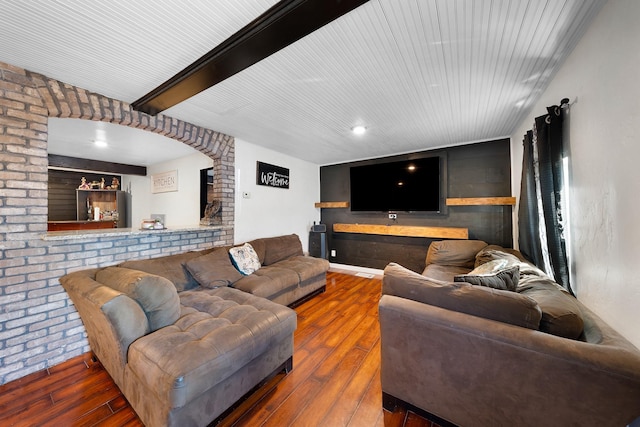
<point>39,326</point>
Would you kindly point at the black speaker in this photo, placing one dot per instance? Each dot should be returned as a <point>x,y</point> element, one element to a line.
<point>319,228</point>
<point>318,244</point>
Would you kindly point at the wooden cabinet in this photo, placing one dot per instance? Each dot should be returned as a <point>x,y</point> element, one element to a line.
<point>112,205</point>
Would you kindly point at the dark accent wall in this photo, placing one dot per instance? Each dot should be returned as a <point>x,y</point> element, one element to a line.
<point>472,170</point>
<point>62,187</point>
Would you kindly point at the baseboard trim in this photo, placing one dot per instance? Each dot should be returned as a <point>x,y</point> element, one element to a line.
<point>356,269</point>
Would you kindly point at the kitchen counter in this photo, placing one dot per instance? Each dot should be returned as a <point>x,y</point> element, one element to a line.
<point>114,232</point>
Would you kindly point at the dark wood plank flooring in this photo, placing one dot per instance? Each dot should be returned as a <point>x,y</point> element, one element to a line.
<point>335,380</point>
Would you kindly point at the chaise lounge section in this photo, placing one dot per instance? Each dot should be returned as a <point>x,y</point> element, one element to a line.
<point>183,351</point>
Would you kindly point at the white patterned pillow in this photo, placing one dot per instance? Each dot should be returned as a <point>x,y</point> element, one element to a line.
<point>245,259</point>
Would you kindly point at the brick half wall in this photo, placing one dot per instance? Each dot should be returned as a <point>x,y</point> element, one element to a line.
<point>39,326</point>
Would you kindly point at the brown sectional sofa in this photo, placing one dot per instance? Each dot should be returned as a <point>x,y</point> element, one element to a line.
<point>481,356</point>
<point>186,336</point>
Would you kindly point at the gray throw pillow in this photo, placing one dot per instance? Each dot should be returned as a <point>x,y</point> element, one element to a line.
<point>156,295</point>
<point>214,269</point>
<point>497,274</point>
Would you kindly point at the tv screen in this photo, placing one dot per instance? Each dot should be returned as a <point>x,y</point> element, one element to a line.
<point>408,185</point>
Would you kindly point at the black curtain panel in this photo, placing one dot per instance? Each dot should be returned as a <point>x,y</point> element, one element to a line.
<point>542,178</point>
<point>550,154</point>
<point>528,224</point>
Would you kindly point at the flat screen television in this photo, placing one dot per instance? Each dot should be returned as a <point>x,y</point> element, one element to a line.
<point>408,185</point>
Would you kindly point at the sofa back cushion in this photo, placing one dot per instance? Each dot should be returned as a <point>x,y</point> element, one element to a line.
<point>282,247</point>
<point>214,269</point>
<point>170,267</point>
<point>455,253</point>
<point>493,252</point>
<point>156,295</point>
<point>489,303</point>
<point>561,312</point>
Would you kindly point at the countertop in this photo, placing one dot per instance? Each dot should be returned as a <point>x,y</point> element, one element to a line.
<point>114,232</point>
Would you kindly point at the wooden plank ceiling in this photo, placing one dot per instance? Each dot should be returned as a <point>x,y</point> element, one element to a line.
<point>418,74</point>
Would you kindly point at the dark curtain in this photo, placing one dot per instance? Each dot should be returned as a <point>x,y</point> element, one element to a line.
<point>544,144</point>
<point>528,223</point>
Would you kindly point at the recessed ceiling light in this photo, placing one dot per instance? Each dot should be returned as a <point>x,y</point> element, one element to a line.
<point>358,130</point>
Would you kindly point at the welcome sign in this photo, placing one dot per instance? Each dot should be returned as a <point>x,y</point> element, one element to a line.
<point>272,176</point>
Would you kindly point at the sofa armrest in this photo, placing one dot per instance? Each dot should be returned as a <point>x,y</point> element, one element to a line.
<point>475,371</point>
<point>112,319</point>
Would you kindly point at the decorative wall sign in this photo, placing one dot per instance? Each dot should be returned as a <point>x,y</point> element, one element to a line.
<point>164,182</point>
<point>272,176</point>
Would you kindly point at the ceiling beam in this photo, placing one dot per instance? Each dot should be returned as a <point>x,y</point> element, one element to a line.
<point>283,24</point>
<point>75,163</point>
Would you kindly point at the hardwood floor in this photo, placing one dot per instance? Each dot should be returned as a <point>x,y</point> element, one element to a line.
<point>335,380</point>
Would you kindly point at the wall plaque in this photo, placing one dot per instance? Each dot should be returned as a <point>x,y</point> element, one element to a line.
<point>272,176</point>
<point>164,182</point>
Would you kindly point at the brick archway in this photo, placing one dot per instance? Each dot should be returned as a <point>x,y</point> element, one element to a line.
<point>40,327</point>
<point>63,100</point>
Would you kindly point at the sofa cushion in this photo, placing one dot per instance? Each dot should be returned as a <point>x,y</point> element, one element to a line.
<point>445,273</point>
<point>245,259</point>
<point>170,267</point>
<point>305,266</point>
<point>458,253</point>
<point>280,248</point>
<point>561,313</point>
<point>156,295</point>
<point>494,304</point>
<point>268,281</point>
<point>497,274</point>
<point>219,331</point>
<point>214,269</point>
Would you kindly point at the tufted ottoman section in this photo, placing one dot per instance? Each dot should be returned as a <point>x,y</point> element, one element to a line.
<point>219,331</point>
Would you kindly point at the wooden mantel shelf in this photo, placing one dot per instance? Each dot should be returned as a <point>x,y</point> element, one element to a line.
<point>404,230</point>
<point>332,204</point>
<point>481,201</point>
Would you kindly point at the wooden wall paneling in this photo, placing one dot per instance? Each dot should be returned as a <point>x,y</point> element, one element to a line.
<point>62,187</point>
<point>473,170</point>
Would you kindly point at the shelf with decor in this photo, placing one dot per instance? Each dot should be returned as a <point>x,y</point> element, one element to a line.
<point>108,204</point>
<point>404,230</point>
<point>332,205</point>
<point>481,201</point>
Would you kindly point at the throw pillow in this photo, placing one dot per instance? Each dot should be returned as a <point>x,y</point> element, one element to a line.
<point>214,269</point>
<point>497,274</point>
<point>156,295</point>
<point>245,259</point>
